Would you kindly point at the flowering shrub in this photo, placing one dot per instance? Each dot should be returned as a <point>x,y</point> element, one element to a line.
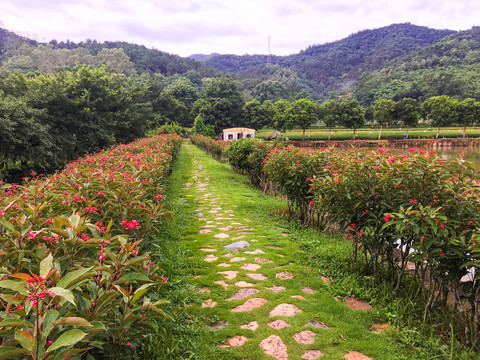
<point>74,275</point>
<point>217,148</point>
<point>412,210</point>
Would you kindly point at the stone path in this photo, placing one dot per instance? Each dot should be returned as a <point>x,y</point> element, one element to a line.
<point>254,280</point>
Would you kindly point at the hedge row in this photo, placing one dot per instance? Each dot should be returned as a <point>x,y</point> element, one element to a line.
<point>413,210</point>
<point>216,148</point>
<point>75,279</point>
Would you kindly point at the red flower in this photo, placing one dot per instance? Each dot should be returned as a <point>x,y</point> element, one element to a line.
<point>158,197</point>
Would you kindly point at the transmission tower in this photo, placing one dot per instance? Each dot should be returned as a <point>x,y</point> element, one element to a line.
<point>269,56</point>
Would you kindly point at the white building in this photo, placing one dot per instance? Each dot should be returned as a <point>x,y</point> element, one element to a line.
<point>237,133</point>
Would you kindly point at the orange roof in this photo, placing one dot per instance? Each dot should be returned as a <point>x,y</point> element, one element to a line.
<point>239,129</point>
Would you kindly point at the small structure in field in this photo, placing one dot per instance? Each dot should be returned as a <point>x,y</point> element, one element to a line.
<point>237,133</point>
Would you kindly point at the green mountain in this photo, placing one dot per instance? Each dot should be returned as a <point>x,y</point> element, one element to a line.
<point>20,53</point>
<point>337,65</point>
<point>450,67</point>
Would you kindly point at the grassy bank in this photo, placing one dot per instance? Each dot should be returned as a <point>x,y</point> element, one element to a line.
<point>321,133</point>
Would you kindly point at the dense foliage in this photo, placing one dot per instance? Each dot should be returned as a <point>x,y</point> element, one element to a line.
<point>75,275</point>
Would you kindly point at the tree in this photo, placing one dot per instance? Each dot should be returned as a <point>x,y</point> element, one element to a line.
<point>305,113</point>
<point>442,110</point>
<point>383,111</point>
<point>352,115</point>
<point>283,120</point>
<point>269,90</point>
<point>331,115</point>
<point>407,111</point>
<point>468,113</point>
<point>221,104</point>
<point>254,115</point>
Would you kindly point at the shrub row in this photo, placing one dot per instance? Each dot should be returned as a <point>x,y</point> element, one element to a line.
<point>216,148</point>
<point>74,275</point>
<point>413,211</point>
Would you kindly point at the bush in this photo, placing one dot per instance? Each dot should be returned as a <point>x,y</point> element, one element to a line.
<point>74,274</point>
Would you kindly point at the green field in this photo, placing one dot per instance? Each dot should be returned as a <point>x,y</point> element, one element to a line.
<point>321,133</point>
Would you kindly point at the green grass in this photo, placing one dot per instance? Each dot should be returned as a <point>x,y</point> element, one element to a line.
<point>308,255</point>
<point>321,133</point>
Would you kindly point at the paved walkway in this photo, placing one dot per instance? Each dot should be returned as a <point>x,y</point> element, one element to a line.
<point>253,287</point>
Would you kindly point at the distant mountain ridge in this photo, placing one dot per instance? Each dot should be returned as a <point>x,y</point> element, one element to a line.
<point>202,57</point>
<point>337,65</point>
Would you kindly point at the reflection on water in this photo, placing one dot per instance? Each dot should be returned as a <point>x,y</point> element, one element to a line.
<point>472,155</point>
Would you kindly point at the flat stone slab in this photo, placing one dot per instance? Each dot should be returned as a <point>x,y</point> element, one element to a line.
<point>243,284</point>
<point>257,276</point>
<point>205,231</point>
<point>250,326</point>
<point>379,328</point>
<point>222,283</point>
<point>212,211</point>
<point>272,247</point>
<point>237,245</point>
<point>317,324</point>
<point>207,250</point>
<point>237,259</point>
<point>285,310</point>
<point>238,237</point>
<point>250,267</point>
<point>276,289</point>
<point>297,297</point>
<point>228,255</point>
<point>357,304</point>
<point>209,303</point>
<point>229,275</point>
<point>204,290</point>
<point>236,341</point>
<point>220,325</point>
<point>225,228</point>
<point>284,275</point>
<point>278,324</point>
<point>199,214</point>
<point>308,290</point>
<point>274,346</point>
<point>224,265</point>
<point>243,228</point>
<point>208,226</point>
<point>312,354</point>
<point>305,337</point>
<point>250,305</point>
<point>263,261</point>
<point>210,258</point>
<point>353,355</point>
<point>243,293</point>
<point>325,279</point>
<point>255,252</point>
<point>222,236</point>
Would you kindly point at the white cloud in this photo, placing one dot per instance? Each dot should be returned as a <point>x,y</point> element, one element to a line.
<point>236,26</point>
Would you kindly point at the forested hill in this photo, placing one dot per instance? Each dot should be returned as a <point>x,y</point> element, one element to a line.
<point>450,67</point>
<point>20,53</point>
<point>337,65</point>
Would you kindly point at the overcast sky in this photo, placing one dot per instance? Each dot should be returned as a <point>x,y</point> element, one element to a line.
<point>186,27</point>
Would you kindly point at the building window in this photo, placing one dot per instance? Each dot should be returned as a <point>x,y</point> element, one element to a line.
<point>249,136</point>
<point>230,136</point>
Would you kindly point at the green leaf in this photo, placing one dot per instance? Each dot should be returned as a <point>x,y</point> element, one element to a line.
<point>14,285</point>
<point>68,338</point>
<point>68,281</point>
<point>7,224</point>
<point>25,339</point>
<point>64,293</point>
<point>16,323</point>
<point>73,321</point>
<point>139,292</point>
<point>46,265</point>
<point>162,314</point>
<point>11,352</point>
